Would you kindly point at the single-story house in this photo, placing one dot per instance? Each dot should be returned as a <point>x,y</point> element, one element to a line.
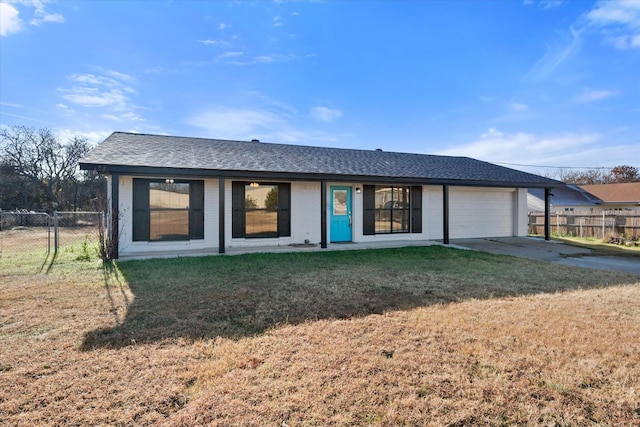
<point>617,197</point>
<point>193,194</point>
<point>564,199</point>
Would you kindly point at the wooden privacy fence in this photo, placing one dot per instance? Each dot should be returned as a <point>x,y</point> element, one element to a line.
<point>596,225</point>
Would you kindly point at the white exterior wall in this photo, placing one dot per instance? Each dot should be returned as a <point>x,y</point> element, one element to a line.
<point>521,218</point>
<point>473,212</point>
<point>432,212</point>
<point>128,246</point>
<point>305,216</point>
<point>357,219</point>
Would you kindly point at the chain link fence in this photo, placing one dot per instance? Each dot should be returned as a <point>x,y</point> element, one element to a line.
<point>77,233</point>
<point>29,240</point>
<point>24,237</point>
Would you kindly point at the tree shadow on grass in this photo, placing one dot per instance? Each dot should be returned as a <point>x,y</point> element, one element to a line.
<point>240,296</point>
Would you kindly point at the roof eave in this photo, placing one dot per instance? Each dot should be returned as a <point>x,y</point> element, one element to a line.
<point>300,176</point>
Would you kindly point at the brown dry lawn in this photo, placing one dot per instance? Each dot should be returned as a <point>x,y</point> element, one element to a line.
<point>412,336</point>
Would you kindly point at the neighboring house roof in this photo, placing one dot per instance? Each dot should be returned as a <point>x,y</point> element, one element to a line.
<point>616,193</point>
<point>140,153</point>
<point>569,195</point>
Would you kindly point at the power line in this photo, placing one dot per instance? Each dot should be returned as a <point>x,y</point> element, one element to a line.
<point>554,167</point>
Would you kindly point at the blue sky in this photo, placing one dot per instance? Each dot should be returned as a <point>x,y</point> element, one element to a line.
<point>553,83</point>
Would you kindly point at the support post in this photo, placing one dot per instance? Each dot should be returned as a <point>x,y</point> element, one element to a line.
<point>55,232</point>
<point>221,219</point>
<point>445,214</point>
<point>547,213</point>
<point>115,215</point>
<point>323,214</point>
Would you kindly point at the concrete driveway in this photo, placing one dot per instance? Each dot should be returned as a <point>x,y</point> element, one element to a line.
<point>552,251</point>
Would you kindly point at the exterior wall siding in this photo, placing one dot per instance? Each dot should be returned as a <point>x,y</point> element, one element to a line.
<point>305,217</point>
<point>432,212</point>
<point>357,220</point>
<point>474,212</point>
<point>128,246</point>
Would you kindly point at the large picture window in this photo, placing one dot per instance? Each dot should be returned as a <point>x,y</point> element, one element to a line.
<point>261,210</point>
<point>168,210</point>
<point>392,209</point>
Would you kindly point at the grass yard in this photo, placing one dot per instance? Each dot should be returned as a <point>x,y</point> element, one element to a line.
<point>601,248</point>
<point>411,336</point>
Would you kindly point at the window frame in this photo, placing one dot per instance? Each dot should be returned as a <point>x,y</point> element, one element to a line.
<point>142,210</point>
<point>394,208</point>
<point>239,210</point>
<point>370,211</point>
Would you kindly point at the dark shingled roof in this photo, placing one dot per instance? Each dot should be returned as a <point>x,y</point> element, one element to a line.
<point>569,195</point>
<point>140,153</point>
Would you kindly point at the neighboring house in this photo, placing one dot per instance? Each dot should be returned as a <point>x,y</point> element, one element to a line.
<point>192,194</point>
<point>617,197</point>
<point>569,198</point>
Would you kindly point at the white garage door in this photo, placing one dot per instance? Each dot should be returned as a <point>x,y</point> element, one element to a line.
<point>480,213</point>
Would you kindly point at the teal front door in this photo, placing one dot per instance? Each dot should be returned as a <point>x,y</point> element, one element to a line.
<point>340,223</point>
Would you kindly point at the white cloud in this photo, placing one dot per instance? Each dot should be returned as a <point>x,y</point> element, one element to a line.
<point>93,136</point>
<point>567,149</point>
<point>324,114</point>
<point>223,26</point>
<point>10,21</point>
<point>545,4</point>
<point>555,56</point>
<point>591,95</point>
<point>250,123</point>
<point>47,17</point>
<point>9,104</point>
<point>618,21</point>
<point>110,92</point>
<point>231,54</point>
<point>518,107</point>
<point>262,59</point>
<point>229,123</point>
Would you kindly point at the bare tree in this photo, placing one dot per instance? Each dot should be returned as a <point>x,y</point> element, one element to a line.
<point>623,173</point>
<point>617,174</point>
<point>38,156</point>
<point>583,177</point>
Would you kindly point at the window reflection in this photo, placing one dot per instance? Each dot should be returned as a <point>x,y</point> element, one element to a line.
<point>168,211</point>
<point>391,209</point>
<point>339,202</point>
<point>261,210</point>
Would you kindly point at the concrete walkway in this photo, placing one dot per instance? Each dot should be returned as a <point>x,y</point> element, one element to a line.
<point>280,249</point>
<point>552,251</point>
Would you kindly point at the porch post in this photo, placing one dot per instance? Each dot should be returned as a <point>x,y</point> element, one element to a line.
<point>221,219</point>
<point>115,215</point>
<point>445,214</point>
<point>323,214</point>
<point>547,213</point>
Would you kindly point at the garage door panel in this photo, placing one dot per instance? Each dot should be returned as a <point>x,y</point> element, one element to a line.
<point>480,214</point>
